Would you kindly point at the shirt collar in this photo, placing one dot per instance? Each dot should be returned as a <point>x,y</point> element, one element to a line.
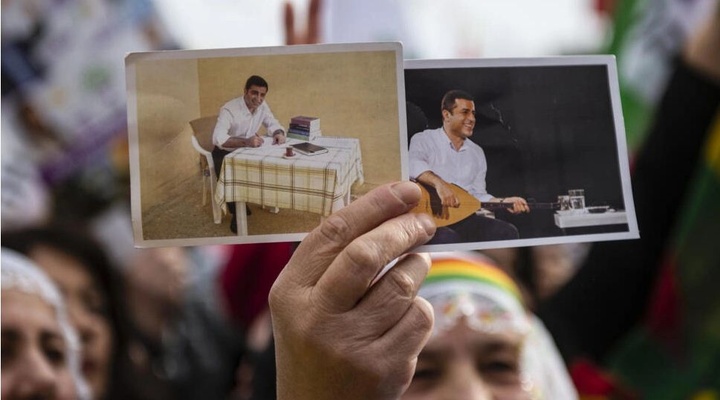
<point>450,143</point>
<point>245,108</point>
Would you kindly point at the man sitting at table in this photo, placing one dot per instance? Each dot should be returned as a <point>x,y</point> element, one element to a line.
<point>238,125</point>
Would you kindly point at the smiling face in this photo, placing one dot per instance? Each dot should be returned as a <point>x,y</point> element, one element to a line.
<point>88,311</point>
<point>254,97</point>
<point>460,121</point>
<point>463,363</point>
<point>34,351</point>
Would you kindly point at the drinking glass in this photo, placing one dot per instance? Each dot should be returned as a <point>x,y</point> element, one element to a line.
<point>564,202</point>
<point>577,199</point>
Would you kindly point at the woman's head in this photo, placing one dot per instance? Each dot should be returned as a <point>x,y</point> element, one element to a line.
<point>485,345</point>
<point>82,273</point>
<point>40,349</point>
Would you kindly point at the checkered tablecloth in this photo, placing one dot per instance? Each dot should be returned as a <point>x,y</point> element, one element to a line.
<point>314,184</point>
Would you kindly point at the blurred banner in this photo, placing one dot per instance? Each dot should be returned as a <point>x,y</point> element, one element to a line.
<point>675,352</point>
<point>646,36</point>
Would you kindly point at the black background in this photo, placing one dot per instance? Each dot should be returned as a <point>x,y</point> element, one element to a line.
<point>556,133</point>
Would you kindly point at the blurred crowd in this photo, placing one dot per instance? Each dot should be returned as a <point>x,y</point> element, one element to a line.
<point>87,315</point>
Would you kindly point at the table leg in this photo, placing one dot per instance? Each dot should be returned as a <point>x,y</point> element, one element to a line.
<point>241,218</point>
<point>273,210</point>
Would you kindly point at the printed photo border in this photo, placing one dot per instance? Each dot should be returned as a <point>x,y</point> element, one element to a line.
<point>546,126</point>
<point>356,91</point>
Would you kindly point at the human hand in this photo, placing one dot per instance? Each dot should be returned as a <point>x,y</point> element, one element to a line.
<point>312,35</point>
<point>279,138</point>
<point>337,335</point>
<point>254,141</point>
<point>447,196</point>
<point>520,205</point>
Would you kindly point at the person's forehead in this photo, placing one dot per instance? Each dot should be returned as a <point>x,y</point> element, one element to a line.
<point>462,338</point>
<point>23,311</point>
<point>256,88</point>
<point>465,104</point>
<point>66,271</point>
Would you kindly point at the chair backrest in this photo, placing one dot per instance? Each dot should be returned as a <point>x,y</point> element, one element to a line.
<point>203,128</point>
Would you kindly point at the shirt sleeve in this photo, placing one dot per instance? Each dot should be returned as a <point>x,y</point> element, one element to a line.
<point>478,186</point>
<point>419,155</point>
<point>222,127</point>
<point>270,122</point>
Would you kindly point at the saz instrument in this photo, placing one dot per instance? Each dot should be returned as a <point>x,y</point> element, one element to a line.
<point>431,204</point>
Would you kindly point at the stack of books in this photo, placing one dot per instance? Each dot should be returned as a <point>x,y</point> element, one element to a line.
<point>304,128</point>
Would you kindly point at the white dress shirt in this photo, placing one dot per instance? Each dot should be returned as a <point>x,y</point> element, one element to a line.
<point>236,120</point>
<point>432,150</point>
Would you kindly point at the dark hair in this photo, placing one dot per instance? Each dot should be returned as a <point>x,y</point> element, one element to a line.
<point>80,246</point>
<point>448,100</point>
<point>416,119</point>
<point>255,80</point>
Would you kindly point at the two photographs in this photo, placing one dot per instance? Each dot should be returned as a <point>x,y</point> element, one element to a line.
<point>508,152</point>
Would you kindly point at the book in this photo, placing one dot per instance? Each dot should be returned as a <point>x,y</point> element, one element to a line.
<point>305,133</point>
<point>298,136</point>
<point>307,122</point>
<point>309,149</point>
<point>304,128</point>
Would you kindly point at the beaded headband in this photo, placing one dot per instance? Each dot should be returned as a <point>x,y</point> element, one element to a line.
<point>469,286</point>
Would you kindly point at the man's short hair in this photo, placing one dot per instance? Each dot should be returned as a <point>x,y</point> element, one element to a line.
<point>256,81</point>
<point>448,101</point>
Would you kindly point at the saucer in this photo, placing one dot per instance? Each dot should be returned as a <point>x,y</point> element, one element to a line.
<point>287,157</point>
<point>598,209</point>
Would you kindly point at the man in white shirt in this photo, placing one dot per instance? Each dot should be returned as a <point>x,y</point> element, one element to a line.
<point>239,123</point>
<point>444,156</point>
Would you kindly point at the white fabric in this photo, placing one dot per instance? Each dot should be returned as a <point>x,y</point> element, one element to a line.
<point>319,184</point>
<point>544,373</point>
<point>431,150</point>
<point>484,308</point>
<point>542,362</point>
<point>236,120</point>
<point>19,273</point>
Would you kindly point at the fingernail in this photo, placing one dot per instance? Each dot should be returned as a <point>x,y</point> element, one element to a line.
<point>408,192</point>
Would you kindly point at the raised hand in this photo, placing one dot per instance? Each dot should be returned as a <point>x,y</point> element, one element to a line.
<point>312,35</point>
<point>338,335</point>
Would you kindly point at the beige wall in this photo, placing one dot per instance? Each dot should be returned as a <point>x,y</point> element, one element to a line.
<point>167,98</point>
<point>353,94</point>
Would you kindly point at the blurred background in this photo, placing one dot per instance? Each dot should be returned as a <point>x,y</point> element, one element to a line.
<point>201,312</point>
<point>491,29</point>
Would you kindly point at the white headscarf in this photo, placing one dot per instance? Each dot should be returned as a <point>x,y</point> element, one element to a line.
<point>21,274</point>
<point>470,287</point>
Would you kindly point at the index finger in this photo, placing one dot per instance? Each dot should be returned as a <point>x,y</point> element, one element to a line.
<point>313,35</point>
<point>349,277</point>
<point>289,19</point>
<point>324,243</point>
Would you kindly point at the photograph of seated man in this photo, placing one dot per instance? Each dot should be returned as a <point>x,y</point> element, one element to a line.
<point>444,160</point>
<point>238,125</point>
